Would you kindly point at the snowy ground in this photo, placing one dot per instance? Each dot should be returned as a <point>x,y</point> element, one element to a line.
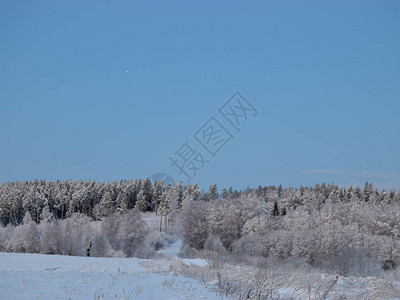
<point>35,276</point>
<point>293,283</point>
<point>173,251</point>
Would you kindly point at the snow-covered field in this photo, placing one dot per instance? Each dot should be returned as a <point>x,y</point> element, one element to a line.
<point>35,276</point>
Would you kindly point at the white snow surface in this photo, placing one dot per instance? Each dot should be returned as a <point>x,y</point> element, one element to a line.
<point>173,251</point>
<point>37,276</point>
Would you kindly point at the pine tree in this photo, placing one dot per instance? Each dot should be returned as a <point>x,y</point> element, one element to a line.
<point>275,210</point>
<point>224,193</point>
<point>156,198</point>
<point>46,216</point>
<point>283,211</point>
<point>196,192</point>
<point>368,189</point>
<point>212,192</point>
<point>178,190</point>
<point>280,189</point>
<point>260,192</point>
<point>141,203</point>
<point>121,203</point>
<point>148,191</point>
<point>187,192</point>
<point>164,207</point>
<point>105,205</point>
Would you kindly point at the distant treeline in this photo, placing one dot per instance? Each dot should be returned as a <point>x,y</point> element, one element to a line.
<point>62,199</point>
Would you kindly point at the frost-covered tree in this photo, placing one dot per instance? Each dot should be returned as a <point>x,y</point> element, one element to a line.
<point>141,203</point>
<point>224,193</point>
<point>275,211</point>
<point>121,203</point>
<point>156,197</point>
<point>25,237</point>
<point>109,227</point>
<point>100,246</point>
<point>196,192</point>
<point>147,191</point>
<point>212,192</point>
<point>131,234</point>
<point>46,216</point>
<point>194,224</point>
<point>74,235</point>
<point>105,205</point>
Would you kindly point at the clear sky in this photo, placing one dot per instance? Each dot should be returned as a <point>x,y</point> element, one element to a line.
<point>108,90</point>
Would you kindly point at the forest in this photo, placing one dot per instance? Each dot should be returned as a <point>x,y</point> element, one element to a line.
<point>348,230</point>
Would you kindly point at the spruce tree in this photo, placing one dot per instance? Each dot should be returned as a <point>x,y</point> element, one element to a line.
<point>275,210</point>
<point>212,192</point>
<point>141,202</point>
<point>224,193</point>
<point>283,211</point>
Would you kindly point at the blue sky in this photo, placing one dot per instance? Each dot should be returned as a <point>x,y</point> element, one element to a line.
<point>324,78</point>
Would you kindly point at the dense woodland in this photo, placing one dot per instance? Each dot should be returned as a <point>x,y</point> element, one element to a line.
<point>350,230</point>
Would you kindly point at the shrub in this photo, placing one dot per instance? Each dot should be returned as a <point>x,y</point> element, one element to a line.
<point>214,252</point>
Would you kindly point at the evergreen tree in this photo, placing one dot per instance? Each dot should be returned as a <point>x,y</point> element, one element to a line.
<point>156,198</point>
<point>212,192</point>
<point>165,205</point>
<point>280,189</point>
<point>275,210</point>
<point>141,203</point>
<point>224,194</point>
<point>283,211</point>
<point>148,191</point>
<point>196,192</point>
<point>368,189</point>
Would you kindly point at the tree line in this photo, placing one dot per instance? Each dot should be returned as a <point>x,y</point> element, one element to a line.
<point>349,230</point>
